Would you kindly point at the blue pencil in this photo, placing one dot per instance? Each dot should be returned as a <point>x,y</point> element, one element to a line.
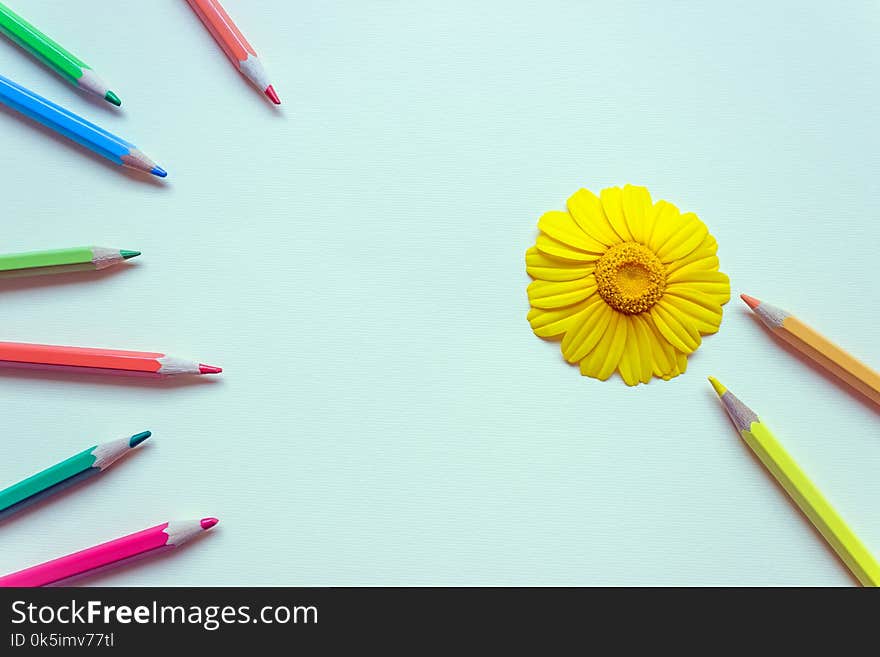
<point>76,128</point>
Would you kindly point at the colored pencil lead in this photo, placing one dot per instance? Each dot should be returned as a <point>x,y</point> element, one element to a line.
<point>209,369</point>
<point>719,389</point>
<point>207,523</point>
<point>111,97</point>
<point>270,91</point>
<point>129,254</point>
<point>159,171</point>
<point>751,302</point>
<point>138,438</point>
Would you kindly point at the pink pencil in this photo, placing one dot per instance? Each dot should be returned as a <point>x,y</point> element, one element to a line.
<point>157,539</point>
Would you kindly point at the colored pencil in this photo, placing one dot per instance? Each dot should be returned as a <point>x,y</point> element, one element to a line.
<point>103,361</point>
<point>53,55</point>
<point>817,347</point>
<point>60,476</point>
<point>60,261</point>
<point>148,542</point>
<point>799,487</point>
<point>236,47</point>
<point>76,128</point>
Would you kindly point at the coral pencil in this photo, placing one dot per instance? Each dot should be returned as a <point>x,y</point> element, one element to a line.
<point>76,128</point>
<point>236,47</point>
<point>799,487</point>
<point>166,536</point>
<point>59,261</point>
<point>53,55</point>
<point>817,347</point>
<point>105,361</point>
<point>60,476</point>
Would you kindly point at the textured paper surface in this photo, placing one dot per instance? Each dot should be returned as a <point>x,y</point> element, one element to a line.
<point>367,242</point>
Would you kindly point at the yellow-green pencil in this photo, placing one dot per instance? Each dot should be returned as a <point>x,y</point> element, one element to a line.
<point>799,487</point>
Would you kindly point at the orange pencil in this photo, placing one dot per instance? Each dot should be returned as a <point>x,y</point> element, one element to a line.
<point>102,361</point>
<point>240,52</point>
<point>817,347</point>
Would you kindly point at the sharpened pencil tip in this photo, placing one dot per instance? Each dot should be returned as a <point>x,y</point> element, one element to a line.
<point>719,389</point>
<point>159,171</point>
<point>270,92</point>
<point>112,98</point>
<point>209,369</point>
<point>751,302</point>
<point>127,255</point>
<point>207,523</point>
<point>138,438</point>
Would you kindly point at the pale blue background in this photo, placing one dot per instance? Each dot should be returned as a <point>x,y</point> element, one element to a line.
<point>355,262</point>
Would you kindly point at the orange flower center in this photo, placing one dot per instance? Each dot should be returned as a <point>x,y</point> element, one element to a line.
<point>630,278</point>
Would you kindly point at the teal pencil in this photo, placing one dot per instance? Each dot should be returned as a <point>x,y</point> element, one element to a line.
<point>77,468</point>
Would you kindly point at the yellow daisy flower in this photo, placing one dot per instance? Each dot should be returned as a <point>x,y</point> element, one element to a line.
<point>627,284</point>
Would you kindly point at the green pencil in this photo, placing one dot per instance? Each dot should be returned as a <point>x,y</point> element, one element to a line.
<point>64,63</point>
<point>77,468</point>
<point>59,261</point>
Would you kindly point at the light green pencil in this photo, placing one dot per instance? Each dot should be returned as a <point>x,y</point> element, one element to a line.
<point>799,487</point>
<point>64,63</point>
<point>60,261</point>
<point>77,468</point>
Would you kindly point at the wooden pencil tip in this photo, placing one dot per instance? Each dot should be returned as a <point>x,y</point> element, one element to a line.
<point>751,302</point>
<point>719,389</point>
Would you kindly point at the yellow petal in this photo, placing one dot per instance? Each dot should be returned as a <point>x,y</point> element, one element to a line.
<point>718,292</point>
<point>583,337</point>
<point>555,248</point>
<point>640,331</point>
<point>555,294</point>
<point>586,209</point>
<point>663,224</point>
<point>563,228</point>
<point>679,365</point>
<point>693,270</point>
<point>612,345</point>
<point>681,362</point>
<point>629,366</point>
<point>638,210</point>
<point>550,324</point>
<point>690,235</point>
<point>592,363</point>
<point>662,353</point>
<point>707,249</point>
<point>677,331</point>
<point>705,320</point>
<point>709,295</point>
<point>694,274</point>
<point>612,203</point>
<point>547,268</point>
